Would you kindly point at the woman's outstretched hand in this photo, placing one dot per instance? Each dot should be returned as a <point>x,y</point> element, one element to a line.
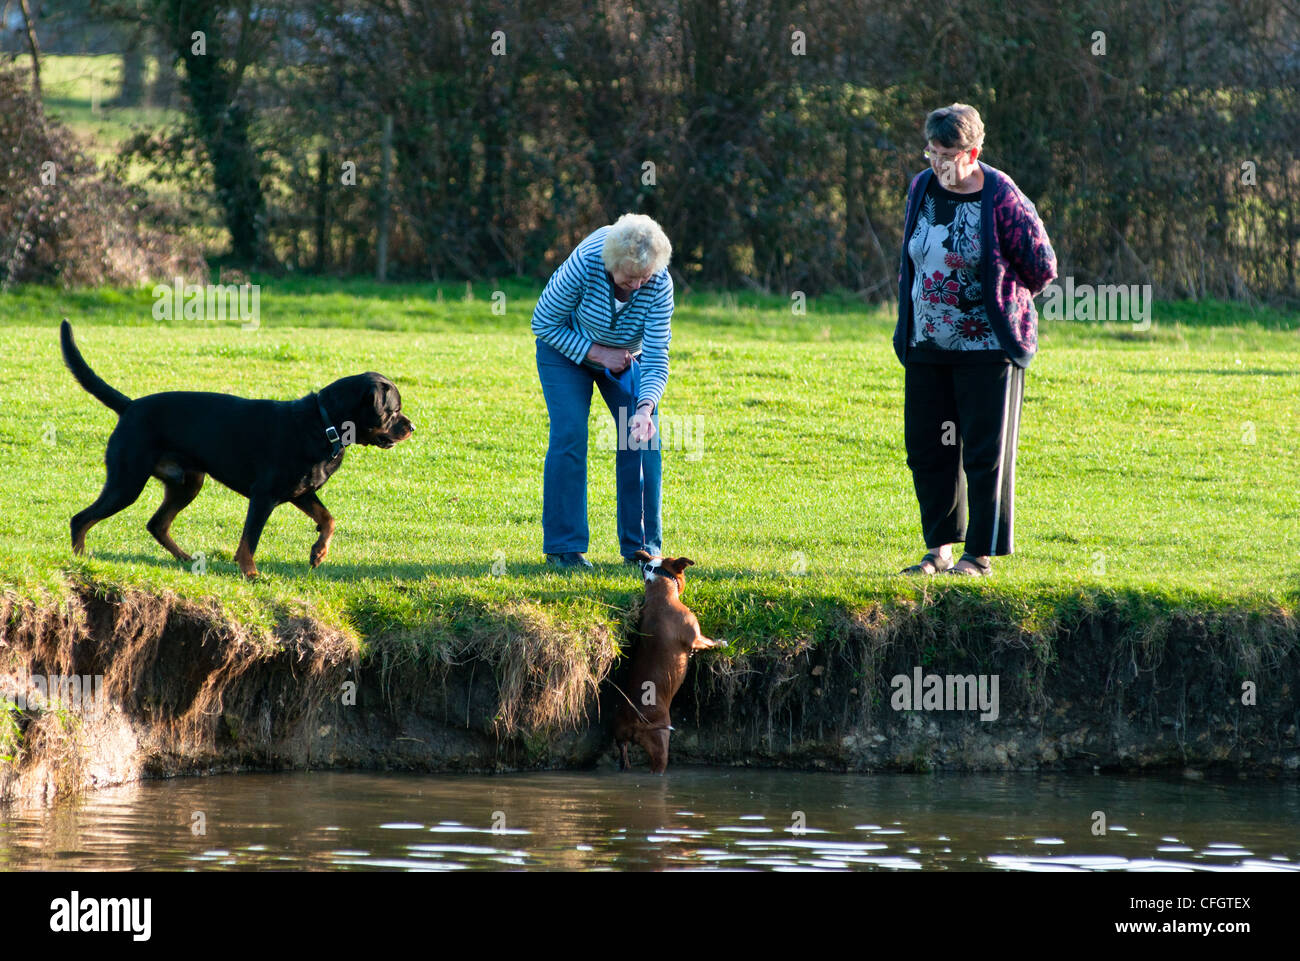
<point>614,358</point>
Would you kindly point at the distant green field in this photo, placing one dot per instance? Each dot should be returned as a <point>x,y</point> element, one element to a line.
<point>1157,465</point>
<point>79,91</point>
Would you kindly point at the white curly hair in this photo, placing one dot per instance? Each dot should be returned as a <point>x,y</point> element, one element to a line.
<point>637,243</point>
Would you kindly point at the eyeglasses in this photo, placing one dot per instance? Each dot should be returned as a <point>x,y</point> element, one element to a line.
<point>933,155</point>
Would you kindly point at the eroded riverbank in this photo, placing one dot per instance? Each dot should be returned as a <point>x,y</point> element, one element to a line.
<point>188,690</point>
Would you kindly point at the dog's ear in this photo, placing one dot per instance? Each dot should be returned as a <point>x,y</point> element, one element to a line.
<point>681,563</point>
<point>378,393</point>
<point>643,556</point>
<point>376,396</point>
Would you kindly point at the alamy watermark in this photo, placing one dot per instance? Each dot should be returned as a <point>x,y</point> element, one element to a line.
<point>83,693</point>
<point>946,692</point>
<point>1130,303</point>
<point>182,301</point>
<point>75,914</point>
<point>676,432</point>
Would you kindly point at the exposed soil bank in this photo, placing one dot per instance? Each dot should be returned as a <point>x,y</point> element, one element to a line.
<point>187,691</point>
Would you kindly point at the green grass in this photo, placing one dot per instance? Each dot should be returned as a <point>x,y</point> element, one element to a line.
<point>1155,466</point>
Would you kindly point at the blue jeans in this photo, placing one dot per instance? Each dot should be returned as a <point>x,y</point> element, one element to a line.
<point>638,472</point>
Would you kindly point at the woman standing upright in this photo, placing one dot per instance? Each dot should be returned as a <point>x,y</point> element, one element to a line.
<point>604,319</point>
<point>974,254</point>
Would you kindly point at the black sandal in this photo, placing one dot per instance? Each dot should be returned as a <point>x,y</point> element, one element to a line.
<point>982,568</point>
<point>929,564</point>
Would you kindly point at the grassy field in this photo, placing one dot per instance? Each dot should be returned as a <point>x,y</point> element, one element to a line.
<point>1154,466</point>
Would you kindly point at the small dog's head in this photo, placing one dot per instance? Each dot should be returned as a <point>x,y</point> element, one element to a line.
<point>371,402</point>
<point>674,567</point>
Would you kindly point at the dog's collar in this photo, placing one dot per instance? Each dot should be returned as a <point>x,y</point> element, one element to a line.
<point>331,435</point>
<point>650,572</point>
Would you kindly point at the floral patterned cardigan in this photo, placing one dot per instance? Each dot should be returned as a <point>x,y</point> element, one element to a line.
<point>1018,263</point>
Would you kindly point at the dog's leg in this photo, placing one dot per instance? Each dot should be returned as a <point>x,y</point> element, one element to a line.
<point>127,475</point>
<point>259,511</point>
<point>702,643</point>
<point>656,745</point>
<point>311,505</point>
<point>623,763</point>
<point>177,497</point>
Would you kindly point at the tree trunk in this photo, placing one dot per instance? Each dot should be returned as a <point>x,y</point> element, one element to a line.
<point>162,91</point>
<point>33,47</point>
<point>223,124</point>
<point>322,210</point>
<point>385,201</point>
<point>132,71</point>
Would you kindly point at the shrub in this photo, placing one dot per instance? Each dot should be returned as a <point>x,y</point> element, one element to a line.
<point>63,219</point>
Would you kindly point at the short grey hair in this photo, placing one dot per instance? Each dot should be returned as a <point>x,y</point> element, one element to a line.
<point>637,242</point>
<point>956,125</point>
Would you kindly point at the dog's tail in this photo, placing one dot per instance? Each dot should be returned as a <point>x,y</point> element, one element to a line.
<point>87,378</point>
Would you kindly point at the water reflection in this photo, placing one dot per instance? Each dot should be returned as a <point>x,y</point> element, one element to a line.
<point>692,819</point>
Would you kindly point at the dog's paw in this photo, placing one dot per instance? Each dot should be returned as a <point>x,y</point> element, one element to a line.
<point>318,553</point>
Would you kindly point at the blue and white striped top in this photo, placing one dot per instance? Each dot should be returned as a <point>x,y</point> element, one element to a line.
<point>576,310</point>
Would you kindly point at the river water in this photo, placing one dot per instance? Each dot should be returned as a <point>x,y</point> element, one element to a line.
<point>691,819</point>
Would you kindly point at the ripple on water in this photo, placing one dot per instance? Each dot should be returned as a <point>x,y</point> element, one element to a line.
<point>907,864</point>
<point>406,865</point>
<point>1092,860</point>
<point>814,845</point>
<point>1085,863</point>
<point>461,849</point>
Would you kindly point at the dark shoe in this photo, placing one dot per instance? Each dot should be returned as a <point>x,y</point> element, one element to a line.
<point>571,559</point>
<point>931,563</point>
<point>633,561</point>
<point>978,568</point>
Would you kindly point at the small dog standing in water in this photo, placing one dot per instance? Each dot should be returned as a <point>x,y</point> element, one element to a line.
<point>669,635</point>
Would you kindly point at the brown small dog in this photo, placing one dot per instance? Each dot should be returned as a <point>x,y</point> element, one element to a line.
<point>669,635</point>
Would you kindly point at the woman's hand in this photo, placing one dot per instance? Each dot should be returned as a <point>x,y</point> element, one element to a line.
<point>614,358</point>
<point>642,427</point>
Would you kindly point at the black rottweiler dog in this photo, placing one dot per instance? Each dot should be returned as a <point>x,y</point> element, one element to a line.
<point>271,451</point>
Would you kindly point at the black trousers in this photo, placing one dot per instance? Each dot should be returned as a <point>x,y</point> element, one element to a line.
<point>959,416</point>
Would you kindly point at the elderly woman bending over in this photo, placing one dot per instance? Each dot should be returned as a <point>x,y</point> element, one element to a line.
<point>604,319</point>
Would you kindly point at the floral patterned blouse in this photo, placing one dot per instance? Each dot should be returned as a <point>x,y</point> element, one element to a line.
<point>949,320</point>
